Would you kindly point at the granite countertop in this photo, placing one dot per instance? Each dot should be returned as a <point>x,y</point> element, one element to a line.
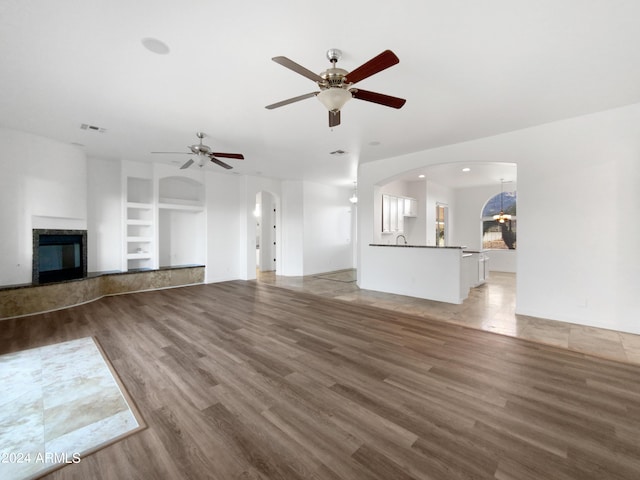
<point>98,274</point>
<point>410,246</point>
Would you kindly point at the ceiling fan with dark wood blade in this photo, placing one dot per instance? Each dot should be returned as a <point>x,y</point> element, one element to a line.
<point>202,151</point>
<point>336,84</point>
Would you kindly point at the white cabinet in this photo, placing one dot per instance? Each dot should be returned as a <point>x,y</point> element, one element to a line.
<point>394,211</point>
<point>477,268</point>
<point>386,218</point>
<point>410,207</point>
<point>483,268</point>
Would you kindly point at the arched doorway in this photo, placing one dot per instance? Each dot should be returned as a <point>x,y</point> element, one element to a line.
<point>499,228</point>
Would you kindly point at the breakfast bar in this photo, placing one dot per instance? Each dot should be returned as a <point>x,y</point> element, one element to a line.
<point>445,274</point>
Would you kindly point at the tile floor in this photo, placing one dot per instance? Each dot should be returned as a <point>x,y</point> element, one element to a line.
<point>490,307</point>
<point>58,402</point>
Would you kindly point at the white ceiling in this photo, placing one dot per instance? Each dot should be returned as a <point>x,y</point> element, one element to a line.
<point>468,69</point>
<point>466,175</point>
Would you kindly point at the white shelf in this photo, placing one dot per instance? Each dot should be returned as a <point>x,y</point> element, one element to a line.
<point>184,208</point>
<point>138,256</point>
<point>181,201</point>
<point>145,206</point>
<point>139,239</point>
<point>154,207</point>
<point>135,221</point>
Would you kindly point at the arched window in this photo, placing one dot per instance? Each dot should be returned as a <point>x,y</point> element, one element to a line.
<point>496,235</point>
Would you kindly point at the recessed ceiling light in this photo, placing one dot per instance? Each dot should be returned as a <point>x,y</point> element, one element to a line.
<point>421,175</point>
<point>374,143</point>
<point>154,45</point>
<point>466,169</point>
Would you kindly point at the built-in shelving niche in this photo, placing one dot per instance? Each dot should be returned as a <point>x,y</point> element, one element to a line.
<point>181,222</point>
<point>139,226</point>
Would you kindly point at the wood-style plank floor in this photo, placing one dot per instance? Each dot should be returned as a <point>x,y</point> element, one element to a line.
<point>242,380</point>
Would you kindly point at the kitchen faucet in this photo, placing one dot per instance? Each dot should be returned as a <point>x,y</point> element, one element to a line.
<point>403,238</point>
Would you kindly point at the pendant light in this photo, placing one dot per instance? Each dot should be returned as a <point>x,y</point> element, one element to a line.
<point>502,217</point>
<point>354,196</point>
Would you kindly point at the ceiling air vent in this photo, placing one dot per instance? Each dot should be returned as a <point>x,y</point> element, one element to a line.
<point>86,126</point>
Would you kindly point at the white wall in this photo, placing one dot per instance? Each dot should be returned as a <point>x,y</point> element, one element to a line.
<point>327,229</point>
<point>42,185</point>
<point>469,205</point>
<point>104,215</point>
<point>179,233</point>
<point>292,229</point>
<point>226,229</point>
<point>589,166</point>
<point>416,227</point>
<point>502,260</point>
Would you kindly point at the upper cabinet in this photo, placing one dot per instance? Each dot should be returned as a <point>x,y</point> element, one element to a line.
<point>410,207</point>
<point>394,211</point>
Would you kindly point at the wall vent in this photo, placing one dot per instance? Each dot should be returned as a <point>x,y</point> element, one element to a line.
<point>86,126</point>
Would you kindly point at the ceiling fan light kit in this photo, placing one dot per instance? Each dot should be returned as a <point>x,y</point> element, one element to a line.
<point>334,98</point>
<point>335,83</point>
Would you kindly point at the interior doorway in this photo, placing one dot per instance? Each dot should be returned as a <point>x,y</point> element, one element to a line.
<point>265,217</point>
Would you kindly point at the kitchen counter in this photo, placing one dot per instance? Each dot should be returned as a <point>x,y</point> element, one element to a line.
<point>413,246</point>
<point>422,271</point>
<point>445,274</point>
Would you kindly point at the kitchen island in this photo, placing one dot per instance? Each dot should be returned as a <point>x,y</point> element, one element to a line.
<point>445,274</point>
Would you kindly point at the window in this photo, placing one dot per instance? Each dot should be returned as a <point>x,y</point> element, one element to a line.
<point>497,235</point>
<point>441,220</point>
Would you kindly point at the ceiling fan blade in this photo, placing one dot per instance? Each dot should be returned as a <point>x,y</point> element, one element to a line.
<point>237,156</point>
<point>176,153</point>
<point>385,60</point>
<point>187,164</point>
<point>291,100</point>
<point>379,98</point>
<point>291,65</point>
<point>221,163</point>
<point>334,118</point>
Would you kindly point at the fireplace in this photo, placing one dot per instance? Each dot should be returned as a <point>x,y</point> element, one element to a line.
<point>59,255</point>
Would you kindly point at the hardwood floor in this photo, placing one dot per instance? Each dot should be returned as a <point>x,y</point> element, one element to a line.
<point>250,381</point>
